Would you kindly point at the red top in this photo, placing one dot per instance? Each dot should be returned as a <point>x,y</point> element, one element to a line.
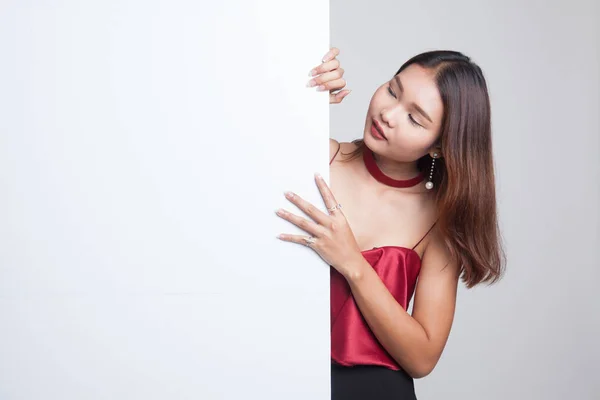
<point>352,341</point>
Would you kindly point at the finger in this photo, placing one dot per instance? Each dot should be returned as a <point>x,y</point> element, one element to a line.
<point>325,67</point>
<point>302,223</point>
<point>326,193</point>
<point>300,239</point>
<point>332,53</point>
<point>335,98</point>
<point>336,84</point>
<point>334,76</point>
<point>307,208</point>
<point>333,85</point>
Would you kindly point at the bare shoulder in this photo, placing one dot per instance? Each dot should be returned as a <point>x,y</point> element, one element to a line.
<point>437,258</point>
<point>348,147</point>
<point>339,149</point>
<point>334,146</point>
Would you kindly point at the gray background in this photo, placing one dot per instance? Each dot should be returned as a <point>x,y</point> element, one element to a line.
<point>534,335</point>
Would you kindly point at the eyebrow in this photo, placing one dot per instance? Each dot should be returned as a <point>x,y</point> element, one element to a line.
<point>415,105</point>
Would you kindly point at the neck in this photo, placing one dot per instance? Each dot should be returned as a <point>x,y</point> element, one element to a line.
<point>396,169</point>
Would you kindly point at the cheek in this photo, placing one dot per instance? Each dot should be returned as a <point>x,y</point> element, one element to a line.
<point>412,141</point>
<point>377,98</point>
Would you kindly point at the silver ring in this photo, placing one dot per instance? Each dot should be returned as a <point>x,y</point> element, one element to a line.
<point>332,209</point>
<point>310,240</point>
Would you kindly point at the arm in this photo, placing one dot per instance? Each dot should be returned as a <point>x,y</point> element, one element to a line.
<point>416,342</point>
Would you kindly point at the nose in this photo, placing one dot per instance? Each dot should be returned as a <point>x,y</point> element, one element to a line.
<point>386,116</point>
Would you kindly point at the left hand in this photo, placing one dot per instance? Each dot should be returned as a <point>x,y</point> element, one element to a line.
<point>330,77</point>
<point>333,237</point>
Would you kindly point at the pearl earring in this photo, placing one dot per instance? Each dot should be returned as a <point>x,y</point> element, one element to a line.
<point>429,184</point>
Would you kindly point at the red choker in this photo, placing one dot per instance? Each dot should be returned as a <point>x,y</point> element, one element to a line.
<point>374,170</point>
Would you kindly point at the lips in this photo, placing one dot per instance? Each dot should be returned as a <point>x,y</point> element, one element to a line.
<point>379,129</point>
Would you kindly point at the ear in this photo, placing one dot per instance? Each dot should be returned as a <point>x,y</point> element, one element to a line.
<point>436,148</point>
<point>436,152</point>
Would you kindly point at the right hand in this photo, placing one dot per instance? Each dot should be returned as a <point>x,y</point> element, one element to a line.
<point>329,75</point>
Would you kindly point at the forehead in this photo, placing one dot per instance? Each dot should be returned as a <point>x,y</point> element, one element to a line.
<point>419,84</point>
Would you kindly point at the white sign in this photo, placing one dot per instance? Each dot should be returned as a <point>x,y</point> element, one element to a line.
<point>144,149</point>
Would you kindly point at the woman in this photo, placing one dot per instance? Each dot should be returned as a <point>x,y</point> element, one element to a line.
<point>418,201</point>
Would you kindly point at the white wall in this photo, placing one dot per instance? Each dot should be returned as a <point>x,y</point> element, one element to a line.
<point>144,147</point>
<point>534,335</point>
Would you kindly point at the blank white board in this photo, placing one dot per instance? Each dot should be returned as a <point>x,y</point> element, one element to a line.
<point>144,149</point>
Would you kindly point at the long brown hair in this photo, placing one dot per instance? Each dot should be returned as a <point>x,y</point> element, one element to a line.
<point>464,176</point>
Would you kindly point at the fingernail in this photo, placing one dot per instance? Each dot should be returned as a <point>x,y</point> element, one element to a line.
<point>321,88</point>
<point>326,57</point>
<point>289,195</point>
<point>312,72</point>
<point>311,83</point>
<point>318,176</point>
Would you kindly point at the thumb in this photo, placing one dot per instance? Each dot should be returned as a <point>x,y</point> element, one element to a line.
<point>339,96</point>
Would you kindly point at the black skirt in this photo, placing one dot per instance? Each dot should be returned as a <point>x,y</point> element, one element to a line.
<point>370,382</point>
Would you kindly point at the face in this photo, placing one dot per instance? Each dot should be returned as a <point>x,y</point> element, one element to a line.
<point>409,110</point>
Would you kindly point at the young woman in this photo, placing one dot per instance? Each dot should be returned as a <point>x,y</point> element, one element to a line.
<point>418,201</point>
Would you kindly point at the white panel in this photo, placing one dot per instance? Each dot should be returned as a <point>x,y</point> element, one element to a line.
<point>144,147</point>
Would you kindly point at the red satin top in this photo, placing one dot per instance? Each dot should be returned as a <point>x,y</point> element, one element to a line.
<point>352,341</point>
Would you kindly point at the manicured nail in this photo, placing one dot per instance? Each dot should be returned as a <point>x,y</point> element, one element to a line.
<point>321,88</point>
<point>318,176</point>
<point>312,72</point>
<point>289,195</point>
<point>326,57</point>
<point>311,83</point>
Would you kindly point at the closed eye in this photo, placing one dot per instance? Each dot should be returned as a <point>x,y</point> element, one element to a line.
<point>410,118</point>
